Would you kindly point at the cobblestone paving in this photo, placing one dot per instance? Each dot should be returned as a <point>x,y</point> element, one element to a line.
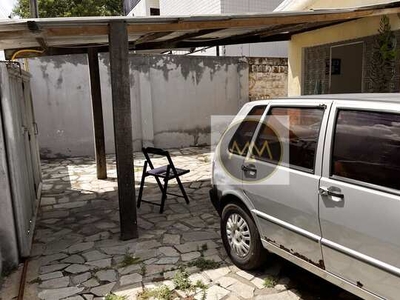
<point>77,253</point>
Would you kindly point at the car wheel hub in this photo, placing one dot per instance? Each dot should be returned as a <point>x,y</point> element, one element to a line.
<point>238,234</point>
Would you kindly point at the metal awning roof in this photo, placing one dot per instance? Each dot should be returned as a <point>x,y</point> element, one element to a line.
<point>75,35</point>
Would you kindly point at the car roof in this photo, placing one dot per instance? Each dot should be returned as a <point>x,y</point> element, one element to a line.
<point>377,97</point>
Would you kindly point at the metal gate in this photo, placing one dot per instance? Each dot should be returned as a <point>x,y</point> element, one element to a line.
<point>22,150</point>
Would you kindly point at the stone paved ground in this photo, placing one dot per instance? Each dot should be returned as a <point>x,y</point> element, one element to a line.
<point>77,253</point>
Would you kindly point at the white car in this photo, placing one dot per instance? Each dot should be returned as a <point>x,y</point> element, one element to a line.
<point>315,180</point>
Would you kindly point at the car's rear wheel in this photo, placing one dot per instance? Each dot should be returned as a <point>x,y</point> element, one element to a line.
<point>241,238</point>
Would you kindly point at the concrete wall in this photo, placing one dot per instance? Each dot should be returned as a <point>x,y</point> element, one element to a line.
<point>267,78</point>
<point>349,31</point>
<point>173,98</point>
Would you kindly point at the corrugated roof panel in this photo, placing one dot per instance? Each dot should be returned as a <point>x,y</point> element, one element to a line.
<point>60,35</point>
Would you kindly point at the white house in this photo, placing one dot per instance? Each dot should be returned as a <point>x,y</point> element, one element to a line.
<point>142,8</point>
<point>202,7</point>
<point>337,58</point>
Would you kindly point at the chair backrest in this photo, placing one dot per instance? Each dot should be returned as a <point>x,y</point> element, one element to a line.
<point>159,152</point>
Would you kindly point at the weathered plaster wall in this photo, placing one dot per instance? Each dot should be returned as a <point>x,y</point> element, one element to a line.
<point>173,98</point>
<point>334,34</point>
<point>268,77</point>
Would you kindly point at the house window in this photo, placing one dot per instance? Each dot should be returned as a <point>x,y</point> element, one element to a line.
<point>154,11</point>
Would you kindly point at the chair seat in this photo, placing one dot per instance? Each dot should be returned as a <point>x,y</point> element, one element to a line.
<point>166,172</point>
<point>162,172</point>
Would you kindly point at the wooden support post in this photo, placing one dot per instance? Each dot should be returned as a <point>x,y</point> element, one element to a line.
<point>33,8</point>
<point>100,148</point>
<point>121,101</point>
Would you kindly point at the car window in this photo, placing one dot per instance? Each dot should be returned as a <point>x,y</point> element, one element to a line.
<point>240,141</point>
<point>367,147</point>
<point>302,128</point>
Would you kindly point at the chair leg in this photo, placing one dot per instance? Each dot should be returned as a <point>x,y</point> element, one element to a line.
<point>159,183</point>
<point>182,190</point>
<point>164,195</point>
<point>142,184</point>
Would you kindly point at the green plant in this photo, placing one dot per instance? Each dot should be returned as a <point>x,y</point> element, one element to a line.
<point>70,8</point>
<point>162,292</point>
<point>115,297</point>
<point>204,264</point>
<point>383,59</point>
<point>181,280</point>
<point>130,260</point>
<point>269,282</point>
<point>204,296</point>
<point>143,269</point>
<point>199,284</point>
<point>202,249</point>
<point>183,283</point>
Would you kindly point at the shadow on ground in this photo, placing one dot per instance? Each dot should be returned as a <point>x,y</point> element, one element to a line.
<point>77,253</point>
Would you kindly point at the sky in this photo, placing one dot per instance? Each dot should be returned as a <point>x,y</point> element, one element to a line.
<point>5,8</point>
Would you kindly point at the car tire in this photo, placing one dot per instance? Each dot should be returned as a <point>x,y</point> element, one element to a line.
<point>241,238</point>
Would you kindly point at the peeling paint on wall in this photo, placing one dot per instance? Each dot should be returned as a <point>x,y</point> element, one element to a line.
<point>173,98</point>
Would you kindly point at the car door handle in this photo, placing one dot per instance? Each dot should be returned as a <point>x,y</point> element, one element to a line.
<point>249,168</point>
<point>334,193</point>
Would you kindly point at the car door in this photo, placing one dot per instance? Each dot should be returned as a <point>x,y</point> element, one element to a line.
<point>281,175</point>
<point>360,196</point>
<point>233,147</point>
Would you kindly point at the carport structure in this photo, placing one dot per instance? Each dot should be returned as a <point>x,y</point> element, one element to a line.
<point>119,35</point>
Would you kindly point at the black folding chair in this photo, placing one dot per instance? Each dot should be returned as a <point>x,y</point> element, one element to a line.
<point>167,173</point>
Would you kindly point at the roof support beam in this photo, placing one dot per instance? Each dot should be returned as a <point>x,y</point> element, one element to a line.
<point>100,148</point>
<point>190,35</point>
<point>256,39</point>
<point>121,102</point>
<point>151,36</point>
<point>172,42</point>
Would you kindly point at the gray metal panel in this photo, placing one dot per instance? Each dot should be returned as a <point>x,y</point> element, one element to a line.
<point>8,237</point>
<point>18,155</point>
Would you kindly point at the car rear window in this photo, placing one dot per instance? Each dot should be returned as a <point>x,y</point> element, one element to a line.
<point>240,141</point>
<point>367,147</point>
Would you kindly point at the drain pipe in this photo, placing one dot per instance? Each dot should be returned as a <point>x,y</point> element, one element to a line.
<point>21,289</point>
